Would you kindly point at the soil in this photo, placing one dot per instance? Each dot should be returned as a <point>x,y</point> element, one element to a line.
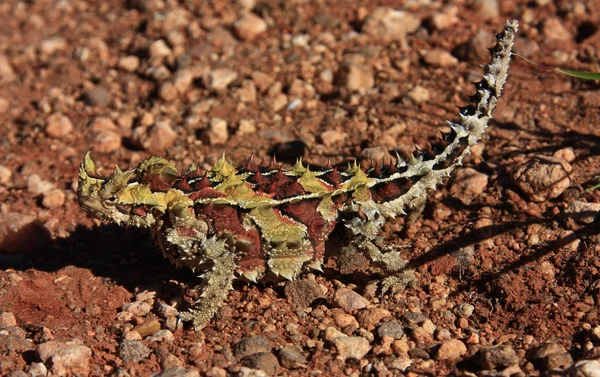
<point>529,269</point>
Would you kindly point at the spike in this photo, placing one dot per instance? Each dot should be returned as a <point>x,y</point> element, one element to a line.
<point>287,273</point>
<point>251,275</point>
<point>412,160</point>
<point>316,265</point>
<point>328,166</point>
<point>273,164</point>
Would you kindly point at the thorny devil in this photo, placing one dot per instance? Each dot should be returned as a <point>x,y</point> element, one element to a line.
<point>262,222</point>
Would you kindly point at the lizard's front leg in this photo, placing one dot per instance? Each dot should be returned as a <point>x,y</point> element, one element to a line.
<point>216,284</point>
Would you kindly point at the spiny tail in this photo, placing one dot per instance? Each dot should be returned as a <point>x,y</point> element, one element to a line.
<point>402,183</point>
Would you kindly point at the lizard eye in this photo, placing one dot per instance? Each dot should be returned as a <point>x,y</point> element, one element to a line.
<point>111,200</point>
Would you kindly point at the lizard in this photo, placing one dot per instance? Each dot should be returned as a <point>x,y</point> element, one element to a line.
<point>258,222</point>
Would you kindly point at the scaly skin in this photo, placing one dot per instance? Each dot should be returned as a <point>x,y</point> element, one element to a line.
<point>262,222</point>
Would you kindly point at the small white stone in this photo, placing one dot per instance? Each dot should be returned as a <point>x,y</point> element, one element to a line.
<point>37,185</point>
<point>58,125</point>
<point>386,22</point>
<point>159,49</point>
<point>53,198</point>
<point>331,137</point>
<point>129,63</point>
<point>451,350</point>
<point>249,26</point>
<point>216,133</point>
<point>246,127</point>
<point>554,30</point>
<point>219,79</point>
<point>351,347</point>
<point>107,141</point>
<point>356,77</point>
<point>5,175</point>
<point>419,94</point>
<point>440,58</point>
<point>53,44</point>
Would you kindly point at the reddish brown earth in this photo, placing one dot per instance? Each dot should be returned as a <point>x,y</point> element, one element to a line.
<point>530,270</point>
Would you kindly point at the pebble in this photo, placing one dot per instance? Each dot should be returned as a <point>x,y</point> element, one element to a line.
<point>291,357</point>
<point>7,319</point>
<point>418,94</point>
<point>37,370</point>
<point>219,79</point>
<point>414,319</point>
<point>585,368</point>
<point>377,154</point>
<point>349,300</point>
<point>37,185</point>
<point>7,73</point>
<point>155,138</point>
<point>52,45</point>
<point>246,127</point>
<point>542,178</point>
<point>464,310</point>
<point>22,233</point>
<point>165,310</point>
<point>331,137</point>
<point>468,184</point>
<point>554,30</point>
<point>249,26</point>
<point>301,293</point>
<point>177,371</point>
<point>343,319</point>
<point>251,345</point>
<point>420,335</point>
<point>265,361</point>
<point>440,58</point>
<point>58,125</point>
<point>445,19</point>
<point>451,350</point>
<point>246,5</point>
<point>159,49</point>
<point>558,361</point>
<point>138,308</point>
<point>499,357</point>
<point>170,361</point>
<point>162,336</point>
<point>53,198</point>
<point>355,77</point>
<point>97,97</point>
<point>4,104</point>
<point>180,83</point>
<point>371,317</point>
<point>565,154</point>
<point>385,22</point>
<point>14,339</point>
<point>133,351</point>
<point>331,333</point>
<point>129,63</point>
<point>392,329</point>
<point>106,141</point>
<point>262,80</point>
<point>583,212</point>
<point>5,175</point>
<point>487,9</point>
<point>62,358</point>
<point>544,350</point>
<point>351,347</point>
<point>147,328</point>
<point>216,133</point>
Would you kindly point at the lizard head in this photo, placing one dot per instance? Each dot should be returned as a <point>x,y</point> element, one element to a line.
<point>119,198</point>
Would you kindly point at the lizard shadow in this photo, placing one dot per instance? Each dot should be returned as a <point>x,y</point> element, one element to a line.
<point>127,257</point>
